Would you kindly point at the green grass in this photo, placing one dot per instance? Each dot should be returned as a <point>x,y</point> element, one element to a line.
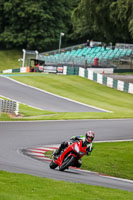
<point>9,59</point>
<point>111,158</point>
<point>85,91</point>
<point>25,187</point>
<point>5,117</point>
<point>114,159</point>
<point>25,113</point>
<point>28,111</point>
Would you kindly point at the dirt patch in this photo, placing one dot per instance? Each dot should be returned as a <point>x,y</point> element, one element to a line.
<point>13,116</point>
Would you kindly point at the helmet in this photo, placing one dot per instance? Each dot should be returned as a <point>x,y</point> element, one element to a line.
<point>89,136</point>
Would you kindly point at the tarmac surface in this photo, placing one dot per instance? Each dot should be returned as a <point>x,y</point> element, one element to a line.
<point>16,136</point>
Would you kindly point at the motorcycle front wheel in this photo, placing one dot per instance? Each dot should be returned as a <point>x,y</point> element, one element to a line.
<point>67,163</point>
<point>53,165</point>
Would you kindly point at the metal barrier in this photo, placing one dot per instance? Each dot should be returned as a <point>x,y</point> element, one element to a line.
<point>9,106</point>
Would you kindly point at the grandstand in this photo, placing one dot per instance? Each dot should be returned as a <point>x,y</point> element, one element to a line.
<point>89,57</point>
<point>119,57</point>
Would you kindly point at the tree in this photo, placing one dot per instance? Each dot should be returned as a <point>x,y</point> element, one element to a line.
<point>33,24</point>
<point>109,21</point>
<point>121,14</point>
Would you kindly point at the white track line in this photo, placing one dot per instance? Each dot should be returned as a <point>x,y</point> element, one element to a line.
<point>76,120</point>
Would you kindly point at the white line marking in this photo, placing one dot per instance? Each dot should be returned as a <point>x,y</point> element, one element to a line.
<point>35,154</point>
<point>57,95</point>
<point>76,120</point>
<point>36,151</point>
<point>105,176</point>
<point>119,179</point>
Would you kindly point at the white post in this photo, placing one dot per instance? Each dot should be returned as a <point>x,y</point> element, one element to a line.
<point>36,52</point>
<point>17,108</point>
<point>61,34</point>
<point>24,52</point>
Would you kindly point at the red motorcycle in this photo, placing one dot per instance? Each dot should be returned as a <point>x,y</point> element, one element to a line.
<point>69,157</point>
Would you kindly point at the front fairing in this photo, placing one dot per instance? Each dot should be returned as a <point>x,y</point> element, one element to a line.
<point>82,150</point>
<point>71,150</point>
<point>62,156</point>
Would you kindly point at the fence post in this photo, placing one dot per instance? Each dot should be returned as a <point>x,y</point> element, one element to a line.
<point>24,52</point>
<point>37,53</point>
<point>17,108</point>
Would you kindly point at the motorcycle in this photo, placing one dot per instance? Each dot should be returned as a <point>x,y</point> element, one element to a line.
<point>69,156</point>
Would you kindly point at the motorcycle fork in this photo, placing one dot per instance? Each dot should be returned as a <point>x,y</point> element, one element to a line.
<point>60,160</point>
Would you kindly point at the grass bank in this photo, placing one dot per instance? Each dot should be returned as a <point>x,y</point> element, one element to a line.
<point>25,187</point>
<point>9,59</point>
<point>25,113</point>
<point>111,158</point>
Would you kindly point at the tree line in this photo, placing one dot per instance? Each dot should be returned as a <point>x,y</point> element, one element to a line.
<point>37,24</point>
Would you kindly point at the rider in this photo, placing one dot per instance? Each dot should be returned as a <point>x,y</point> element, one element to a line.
<point>86,141</point>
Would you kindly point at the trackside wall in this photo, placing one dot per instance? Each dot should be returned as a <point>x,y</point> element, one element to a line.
<point>91,74</point>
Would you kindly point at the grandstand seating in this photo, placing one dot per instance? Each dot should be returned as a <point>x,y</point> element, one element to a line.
<point>87,55</point>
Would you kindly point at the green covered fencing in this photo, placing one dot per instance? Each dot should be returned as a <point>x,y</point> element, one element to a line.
<point>72,71</point>
<point>99,78</point>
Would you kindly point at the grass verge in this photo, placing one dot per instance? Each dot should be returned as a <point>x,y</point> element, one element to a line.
<point>10,59</point>
<point>26,113</point>
<point>111,158</point>
<point>25,187</point>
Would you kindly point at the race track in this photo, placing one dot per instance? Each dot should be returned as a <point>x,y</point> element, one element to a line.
<point>15,136</point>
<point>41,99</point>
<point>19,135</point>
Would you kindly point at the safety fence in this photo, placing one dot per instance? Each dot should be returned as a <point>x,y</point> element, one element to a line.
<point>99,77</point>
<point>9,106</point>
<point>21,70</point>
<point>45,69</point>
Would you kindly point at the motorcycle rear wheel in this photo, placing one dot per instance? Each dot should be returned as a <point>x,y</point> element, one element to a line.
<point>53,165</point>
<point>67,163</point>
